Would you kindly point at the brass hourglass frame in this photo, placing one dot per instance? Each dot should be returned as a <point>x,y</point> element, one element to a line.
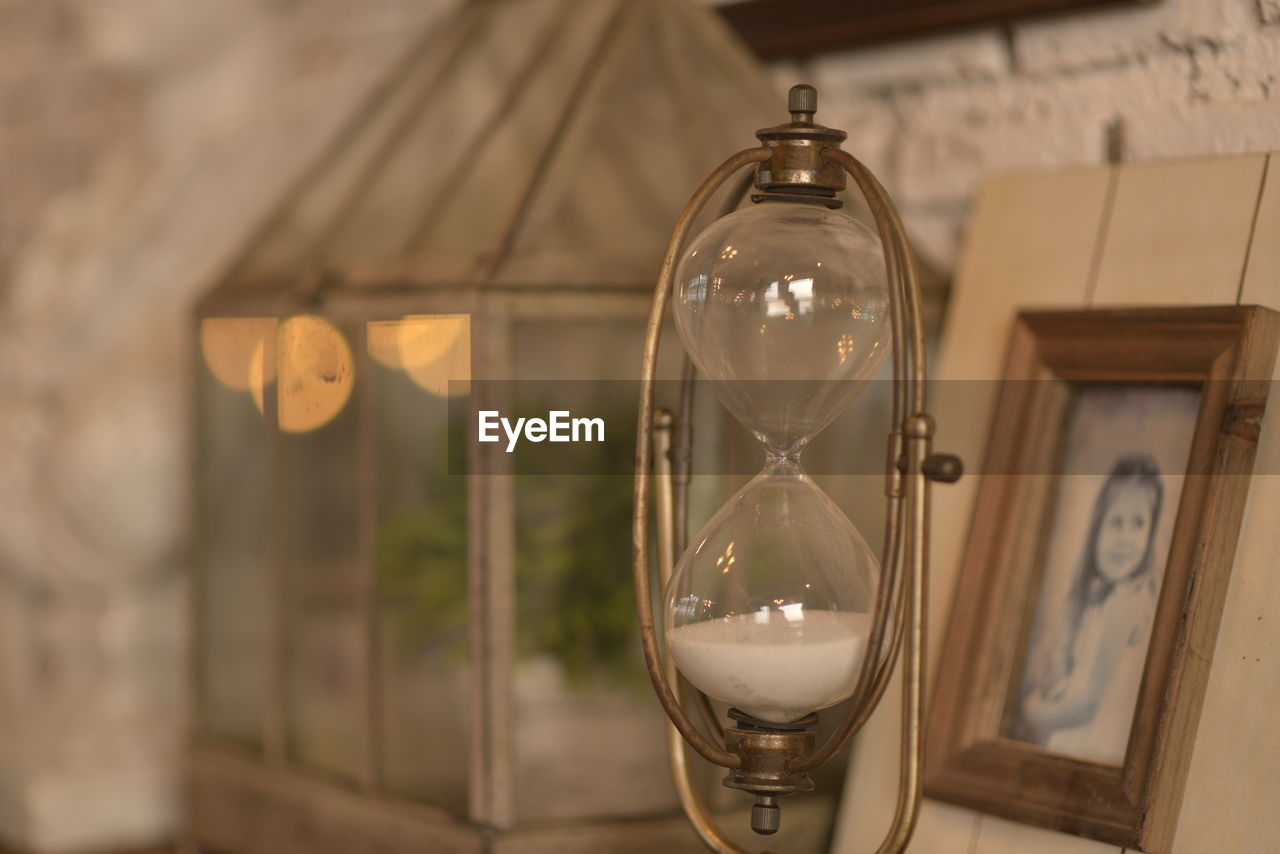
<point>798,159</point>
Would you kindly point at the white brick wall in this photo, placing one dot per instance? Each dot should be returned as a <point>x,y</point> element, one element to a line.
<point>1114,36</point>
<point>933,117</point>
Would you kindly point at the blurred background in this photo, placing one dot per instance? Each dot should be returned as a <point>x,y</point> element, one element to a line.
<point>145,144</point>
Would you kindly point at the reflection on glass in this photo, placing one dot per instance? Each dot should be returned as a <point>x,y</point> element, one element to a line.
<point>433,350</point>
<point>323,625</point>
<point>421,552</point>
<point>316,372</point>
<point>588,734</point>
<point>232,558</point>
<point>230,346</point>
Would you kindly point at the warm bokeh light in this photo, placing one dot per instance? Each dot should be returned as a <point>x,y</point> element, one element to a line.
<point>433,349</point>
<point>316,373</point>
<point>415,340</point>
<point>256,379</point>
<point>228,345</point>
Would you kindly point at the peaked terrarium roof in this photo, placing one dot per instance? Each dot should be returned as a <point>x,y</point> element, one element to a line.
<point>522,143</point>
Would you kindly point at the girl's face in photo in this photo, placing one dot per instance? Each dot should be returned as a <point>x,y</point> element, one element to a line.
<point>1125,531</point>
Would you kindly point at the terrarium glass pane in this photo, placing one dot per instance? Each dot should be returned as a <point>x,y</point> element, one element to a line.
<point>537,95</point>
<point>325,649</point>
<point>233,533</point>
<point>504,64</point>
<point>304,225</point>
<point>535,141</point>
<point>589,733</point>
<point>632,153</point>
<point>425,715</point>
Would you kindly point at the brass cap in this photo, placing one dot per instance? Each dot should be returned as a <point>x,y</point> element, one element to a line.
<point>797,147</point>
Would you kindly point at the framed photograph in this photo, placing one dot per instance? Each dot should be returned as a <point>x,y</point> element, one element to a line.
<point>1099,555</point>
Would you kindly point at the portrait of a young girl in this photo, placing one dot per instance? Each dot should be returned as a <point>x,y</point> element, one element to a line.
<point>1080,687</point>
<point>1106,541</point>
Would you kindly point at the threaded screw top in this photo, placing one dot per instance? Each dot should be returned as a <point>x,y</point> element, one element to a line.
<point>802,101</point>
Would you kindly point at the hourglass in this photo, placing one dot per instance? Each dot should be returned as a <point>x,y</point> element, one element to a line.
<point>784,307</point>
<point>778,607</point>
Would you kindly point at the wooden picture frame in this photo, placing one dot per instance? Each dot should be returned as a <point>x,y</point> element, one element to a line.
<point>782,29</point>
<point>979,752</point>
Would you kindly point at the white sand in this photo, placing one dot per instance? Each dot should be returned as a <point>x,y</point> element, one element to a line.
<point>773,666</point>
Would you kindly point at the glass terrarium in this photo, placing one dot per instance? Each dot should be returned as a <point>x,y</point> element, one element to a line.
<point>405,641</point>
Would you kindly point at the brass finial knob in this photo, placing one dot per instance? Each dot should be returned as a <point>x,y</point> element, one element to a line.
<point>766,817</point>
<point>802,101</point>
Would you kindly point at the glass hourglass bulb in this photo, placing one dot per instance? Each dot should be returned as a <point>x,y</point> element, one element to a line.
<point>784,307</point>
<point>770,608</point>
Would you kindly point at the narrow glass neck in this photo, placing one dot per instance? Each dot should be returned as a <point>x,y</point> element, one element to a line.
<point>782,464</point>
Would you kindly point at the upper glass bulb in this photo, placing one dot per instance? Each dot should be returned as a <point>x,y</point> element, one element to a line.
<point>785,305</point>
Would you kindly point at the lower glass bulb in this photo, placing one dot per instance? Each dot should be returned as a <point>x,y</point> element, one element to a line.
<point>770,608</point>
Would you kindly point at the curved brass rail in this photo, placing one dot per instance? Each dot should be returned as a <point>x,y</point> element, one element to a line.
<point>909,380</point>
<point>669,522</point>
<point>917,435</point>
<point>644,427</point>
<point>681,450</point>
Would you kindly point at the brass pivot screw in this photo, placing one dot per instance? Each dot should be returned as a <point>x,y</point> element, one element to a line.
<point>943,468</point>
<point>940,468</point>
